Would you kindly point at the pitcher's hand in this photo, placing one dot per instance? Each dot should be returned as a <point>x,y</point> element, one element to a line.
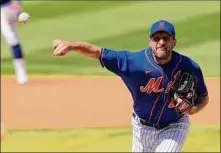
<point>61,47</point>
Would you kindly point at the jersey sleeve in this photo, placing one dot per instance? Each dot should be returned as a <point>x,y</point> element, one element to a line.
<point>201,86</point>
<point>114,61</point>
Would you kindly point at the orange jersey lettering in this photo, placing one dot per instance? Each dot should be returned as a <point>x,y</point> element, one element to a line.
<point>152,86</point>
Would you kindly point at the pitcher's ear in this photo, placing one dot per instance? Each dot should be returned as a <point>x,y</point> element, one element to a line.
<point>174,42</point>
<point>149,41</point>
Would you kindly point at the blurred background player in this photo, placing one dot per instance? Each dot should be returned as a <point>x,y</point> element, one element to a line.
<point>10,11</point>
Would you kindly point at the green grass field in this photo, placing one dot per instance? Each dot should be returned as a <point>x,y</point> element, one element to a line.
<point>200,139</point>
<point>118,25</point>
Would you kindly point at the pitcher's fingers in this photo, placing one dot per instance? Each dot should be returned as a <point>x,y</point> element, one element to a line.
<point>56,50</point>
<point>61,48</point>
<point>55,43</point>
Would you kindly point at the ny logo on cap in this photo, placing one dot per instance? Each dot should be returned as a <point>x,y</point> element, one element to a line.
<point>161,25</point>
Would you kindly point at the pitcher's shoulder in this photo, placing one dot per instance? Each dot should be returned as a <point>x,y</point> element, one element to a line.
<point>136,53</point>
<point>188,61</point>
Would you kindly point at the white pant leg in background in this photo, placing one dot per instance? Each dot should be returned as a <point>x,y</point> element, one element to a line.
<point>9,31</point>
<point>8,25</point>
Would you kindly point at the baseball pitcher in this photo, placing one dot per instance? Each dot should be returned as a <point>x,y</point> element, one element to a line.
<point>166,86</point>
<point>10,12</point>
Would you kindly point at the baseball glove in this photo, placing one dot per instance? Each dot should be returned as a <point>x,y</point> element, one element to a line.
<point>183,92</point>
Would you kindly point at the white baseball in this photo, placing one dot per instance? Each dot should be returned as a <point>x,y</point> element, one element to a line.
<point>23,17</point>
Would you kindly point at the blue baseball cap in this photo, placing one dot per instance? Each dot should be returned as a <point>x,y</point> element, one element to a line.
<point>162,25</point>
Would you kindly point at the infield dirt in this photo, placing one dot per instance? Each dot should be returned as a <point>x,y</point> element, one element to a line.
<point>67,102</point>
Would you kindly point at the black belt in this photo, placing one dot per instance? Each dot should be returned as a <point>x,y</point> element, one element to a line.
<point>143,122</point>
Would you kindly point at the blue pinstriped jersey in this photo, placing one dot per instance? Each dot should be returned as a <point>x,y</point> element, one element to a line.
<point>149,82</point>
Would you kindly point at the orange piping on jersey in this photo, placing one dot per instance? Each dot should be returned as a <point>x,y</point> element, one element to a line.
<point>168,92</point>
